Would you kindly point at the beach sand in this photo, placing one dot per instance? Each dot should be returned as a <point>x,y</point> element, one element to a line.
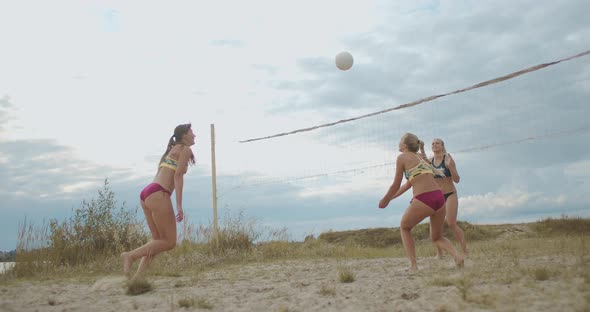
<point>314,285</point>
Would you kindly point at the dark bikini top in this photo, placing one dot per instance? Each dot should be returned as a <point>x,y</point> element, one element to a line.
<point>442,167</point>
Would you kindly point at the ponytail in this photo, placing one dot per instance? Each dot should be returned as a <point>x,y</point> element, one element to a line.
<point>171,143</point>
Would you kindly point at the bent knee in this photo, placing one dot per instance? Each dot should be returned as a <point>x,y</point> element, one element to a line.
<point>170,244</point>
<point>405,226</point>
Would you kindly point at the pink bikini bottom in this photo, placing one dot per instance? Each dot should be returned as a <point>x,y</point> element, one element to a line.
<point>150,189</point>
<point>432,199</point>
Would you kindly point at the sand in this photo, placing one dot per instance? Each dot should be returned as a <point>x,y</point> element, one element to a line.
<point>314,285</point>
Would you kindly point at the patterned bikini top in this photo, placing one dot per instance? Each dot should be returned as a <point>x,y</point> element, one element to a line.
<point>421,168</point>
<point>169,163</point>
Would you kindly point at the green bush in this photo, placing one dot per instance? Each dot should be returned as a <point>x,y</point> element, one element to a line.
<point>96,230</point>
<point>235,233</point>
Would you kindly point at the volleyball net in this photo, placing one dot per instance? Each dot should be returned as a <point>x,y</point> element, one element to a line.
<point>514,116</point>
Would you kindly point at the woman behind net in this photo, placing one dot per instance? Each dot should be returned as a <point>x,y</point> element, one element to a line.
<point>428,199</point>
<point>444,162</point>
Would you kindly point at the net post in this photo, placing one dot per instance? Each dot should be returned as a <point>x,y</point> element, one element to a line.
<point>214,186</point>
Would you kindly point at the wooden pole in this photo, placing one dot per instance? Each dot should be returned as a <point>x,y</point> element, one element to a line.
<point>214,186</point>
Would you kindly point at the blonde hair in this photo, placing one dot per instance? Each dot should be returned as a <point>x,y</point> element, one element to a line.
<point>414,143</point>
<point>442,143</point>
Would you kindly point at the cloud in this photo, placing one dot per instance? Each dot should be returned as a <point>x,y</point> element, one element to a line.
<point>43,168</point>
<point>405,63</point>
<point>5,112</point>
<point>228,43</point>
<point>5,102</point>
<point>579,169</point>
<point>519,205</point>
<point>493,202</point>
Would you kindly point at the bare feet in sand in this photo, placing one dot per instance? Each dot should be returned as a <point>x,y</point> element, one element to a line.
<point>126,258</point>
<point>460,262</point>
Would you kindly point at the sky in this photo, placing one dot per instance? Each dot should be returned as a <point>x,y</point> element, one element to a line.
<point>92,90</point>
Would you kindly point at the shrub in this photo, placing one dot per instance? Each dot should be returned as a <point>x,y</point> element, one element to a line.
<point>97,229</point>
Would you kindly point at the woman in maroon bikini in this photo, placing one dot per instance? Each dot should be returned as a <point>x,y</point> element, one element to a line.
<point>156,201</point>
<point>446,164</point>
<point>428,199</point>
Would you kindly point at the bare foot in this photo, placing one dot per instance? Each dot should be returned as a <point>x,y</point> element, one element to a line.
<point>126,258</point>
<point>460,262</point>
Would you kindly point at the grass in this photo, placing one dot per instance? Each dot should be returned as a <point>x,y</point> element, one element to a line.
<point>326,290</point>
<point>463,285</point>
<point>346,275</point>
<point>199,303</point>
<point>138,287</point>
<point>535,254</point>
<point>88,245</point>
<point>541,274</point>
<point>388,237</point>
<point>564,225</point>
<point>199,251</point>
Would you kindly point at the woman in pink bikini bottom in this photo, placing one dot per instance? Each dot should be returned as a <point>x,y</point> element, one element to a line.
<point>150,189</point>
<point>156,201</point>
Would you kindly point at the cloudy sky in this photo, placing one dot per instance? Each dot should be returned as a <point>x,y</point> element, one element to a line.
<point>92,90</point>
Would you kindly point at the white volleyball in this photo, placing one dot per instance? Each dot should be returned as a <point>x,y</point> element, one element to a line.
<point>344,60</point>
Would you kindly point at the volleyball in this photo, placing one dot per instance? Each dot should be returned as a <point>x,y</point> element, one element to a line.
<point>344,60</point>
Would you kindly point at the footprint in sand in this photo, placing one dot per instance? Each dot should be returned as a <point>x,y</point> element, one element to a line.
<point>109,283</point>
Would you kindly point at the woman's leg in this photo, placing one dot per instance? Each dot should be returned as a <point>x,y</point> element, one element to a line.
<point>159,208</point>
<point>452,205</point>
<point>155,235</point>
<point>436,227</point>
<point>416,212</point>
<point>439,251</point>
<point>145,261</point>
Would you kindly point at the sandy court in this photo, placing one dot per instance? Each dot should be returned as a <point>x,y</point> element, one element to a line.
<point>302,285</point>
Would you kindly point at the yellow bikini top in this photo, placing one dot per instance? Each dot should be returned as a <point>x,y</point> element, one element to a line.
<point>421,168</point>
<point>169,163</point>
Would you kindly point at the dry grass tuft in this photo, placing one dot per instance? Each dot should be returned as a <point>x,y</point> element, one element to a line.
<point>464,285</point>
<point>443,281</point>
<point>138,287</point>
<point>199,303</point>
<point>326,290</point>
<point>186,303</point>
<point>541,274</point>
<point>204,304</point>
<point>345,275</point>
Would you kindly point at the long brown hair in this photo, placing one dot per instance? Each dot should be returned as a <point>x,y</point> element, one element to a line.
<point>179,132</point>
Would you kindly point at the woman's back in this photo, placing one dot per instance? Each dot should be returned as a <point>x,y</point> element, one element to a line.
<point>167,168</point>
<point>419,173</point>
